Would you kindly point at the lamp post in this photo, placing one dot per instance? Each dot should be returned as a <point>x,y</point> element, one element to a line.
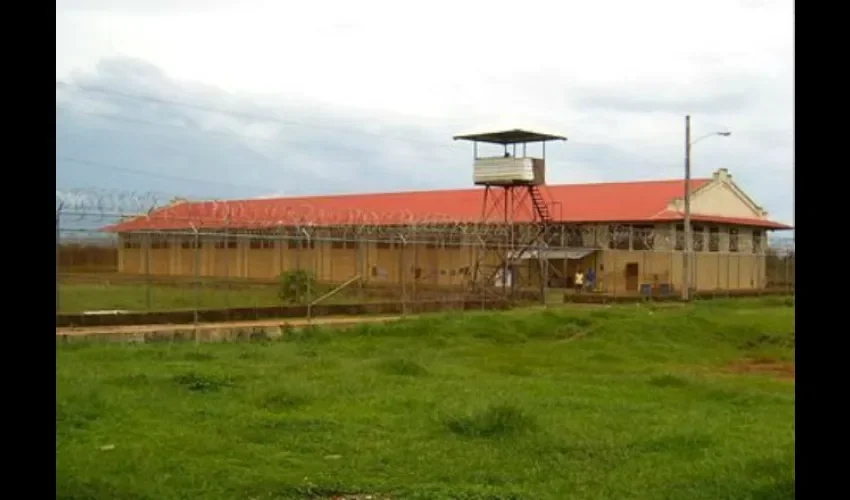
<point>689,244</point>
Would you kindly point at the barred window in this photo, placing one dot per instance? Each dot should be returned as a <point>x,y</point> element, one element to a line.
<point>132,241</point>
<point>643,237</point>
<point>259,243</point>
<point>573,236</point>
<point>296,242</point>
<point>618,237</point>
<point>713,239</point>
<point>733,239</point>
<point>757,241</point>
<point>699,238</point>
<point>225,242</point>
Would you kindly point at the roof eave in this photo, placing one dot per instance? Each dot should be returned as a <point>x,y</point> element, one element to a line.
<point>510,136</point>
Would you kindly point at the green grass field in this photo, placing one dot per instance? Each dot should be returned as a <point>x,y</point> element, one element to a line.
<point>628,402</point>
<point>79,297</point>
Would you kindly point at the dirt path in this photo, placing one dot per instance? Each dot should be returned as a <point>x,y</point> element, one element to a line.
<point>296,322</point>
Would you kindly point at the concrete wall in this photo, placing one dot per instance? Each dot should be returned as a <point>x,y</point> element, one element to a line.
<point>710,271</point>
<point>721,197</point>
<point>440,263</point>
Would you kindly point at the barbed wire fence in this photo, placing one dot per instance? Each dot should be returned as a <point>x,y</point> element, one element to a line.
<point>254,254</point>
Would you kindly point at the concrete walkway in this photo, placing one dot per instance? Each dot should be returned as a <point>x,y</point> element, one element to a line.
<point>210,331</point>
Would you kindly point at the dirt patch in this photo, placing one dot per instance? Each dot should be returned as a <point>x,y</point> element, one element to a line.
<point>784,370</point>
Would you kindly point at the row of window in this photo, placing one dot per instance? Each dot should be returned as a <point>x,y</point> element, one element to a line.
<point>260,243</point>
<point>417,272</point>
<point>635,237</point>
<point>643,238</point>
<point>257,243</point>
<point>713,244</point>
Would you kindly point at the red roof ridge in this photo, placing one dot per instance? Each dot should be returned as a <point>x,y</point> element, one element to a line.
<point>442,190</point>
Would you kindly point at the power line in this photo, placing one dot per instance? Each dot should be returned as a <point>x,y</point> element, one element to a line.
<point>147,173</point>
<point>238,114</point>
<point>297,123</point>
<point>135,121</point>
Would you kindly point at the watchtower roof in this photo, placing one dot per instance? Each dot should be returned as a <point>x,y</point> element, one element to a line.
<point>509,136</point>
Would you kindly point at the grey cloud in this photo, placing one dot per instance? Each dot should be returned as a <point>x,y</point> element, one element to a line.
<point>311,151</point>
<point>725,91</point>
<point>194,150</point>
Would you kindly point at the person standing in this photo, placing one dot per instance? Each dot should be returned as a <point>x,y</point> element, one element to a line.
<point>579,280</point>
<point>591,279</point>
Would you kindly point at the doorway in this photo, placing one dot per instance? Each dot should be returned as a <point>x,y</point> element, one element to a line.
<point>632,274</point>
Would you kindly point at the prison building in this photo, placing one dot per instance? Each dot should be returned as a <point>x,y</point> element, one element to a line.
<point>629,233</point>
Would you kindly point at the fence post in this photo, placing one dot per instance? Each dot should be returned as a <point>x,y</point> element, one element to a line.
<point>360,265</point>
<point>402,274</point>
<point>281,242</point>
<point>542,273</point>
<point>147,245</point>
<point>226,252</point>
<point>787,279</point>
<point>417,270</point>
<point>196,271</point>
<point>58,243</point>
<point>613,272</point>
<point>309,280</point>
<point>717,271</point>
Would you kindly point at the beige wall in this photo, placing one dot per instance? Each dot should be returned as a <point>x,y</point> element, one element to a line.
<point>447,265</point>
<point>721,197</point>
<point>711,270</point>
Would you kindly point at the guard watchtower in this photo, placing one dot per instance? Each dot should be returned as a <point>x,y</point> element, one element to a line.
<point>511,183</point>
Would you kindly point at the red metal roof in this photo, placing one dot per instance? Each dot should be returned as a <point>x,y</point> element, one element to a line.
<point>604,202</point>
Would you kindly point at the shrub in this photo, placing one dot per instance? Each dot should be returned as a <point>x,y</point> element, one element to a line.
<point>294,286</point>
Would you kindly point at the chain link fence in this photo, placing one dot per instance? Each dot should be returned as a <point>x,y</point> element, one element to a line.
<point>243,255</point>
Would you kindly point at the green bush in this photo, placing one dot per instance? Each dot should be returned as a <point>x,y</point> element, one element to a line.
<point>294,286</point>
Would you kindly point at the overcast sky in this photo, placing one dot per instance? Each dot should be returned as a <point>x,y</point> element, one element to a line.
<point>209,98</point>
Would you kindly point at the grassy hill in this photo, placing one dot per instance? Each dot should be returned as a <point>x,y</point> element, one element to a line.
<point>644,402</point>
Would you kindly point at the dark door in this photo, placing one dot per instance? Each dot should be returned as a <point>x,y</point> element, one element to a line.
<point>632,277</point>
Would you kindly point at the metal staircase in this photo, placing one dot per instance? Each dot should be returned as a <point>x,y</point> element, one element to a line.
<point>540,238</point>
<point>541,208</point>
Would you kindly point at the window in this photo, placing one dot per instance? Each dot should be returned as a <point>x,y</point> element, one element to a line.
<point>341,239</point>
<point>343,244</point>
<point>699,238</point>
<point>453,240</point>
<point>618,237</point>
<point>225,242</point>
<point>158,242</point>
<point>132,242</point>
<point>258,243</point>
<point>573,236</point>
<point>713,239</point>
<point>296,241</point>
<point>757,239</point>
<point>643,237</point>
<point>733,239</point>
<point>386,245</point>
<point>300,242</point>
<point>680,237</point>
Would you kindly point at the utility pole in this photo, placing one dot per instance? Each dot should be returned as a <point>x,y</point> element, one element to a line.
<point>686,257</point>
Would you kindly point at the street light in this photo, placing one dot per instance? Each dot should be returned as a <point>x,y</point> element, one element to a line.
<point>689,245</point>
